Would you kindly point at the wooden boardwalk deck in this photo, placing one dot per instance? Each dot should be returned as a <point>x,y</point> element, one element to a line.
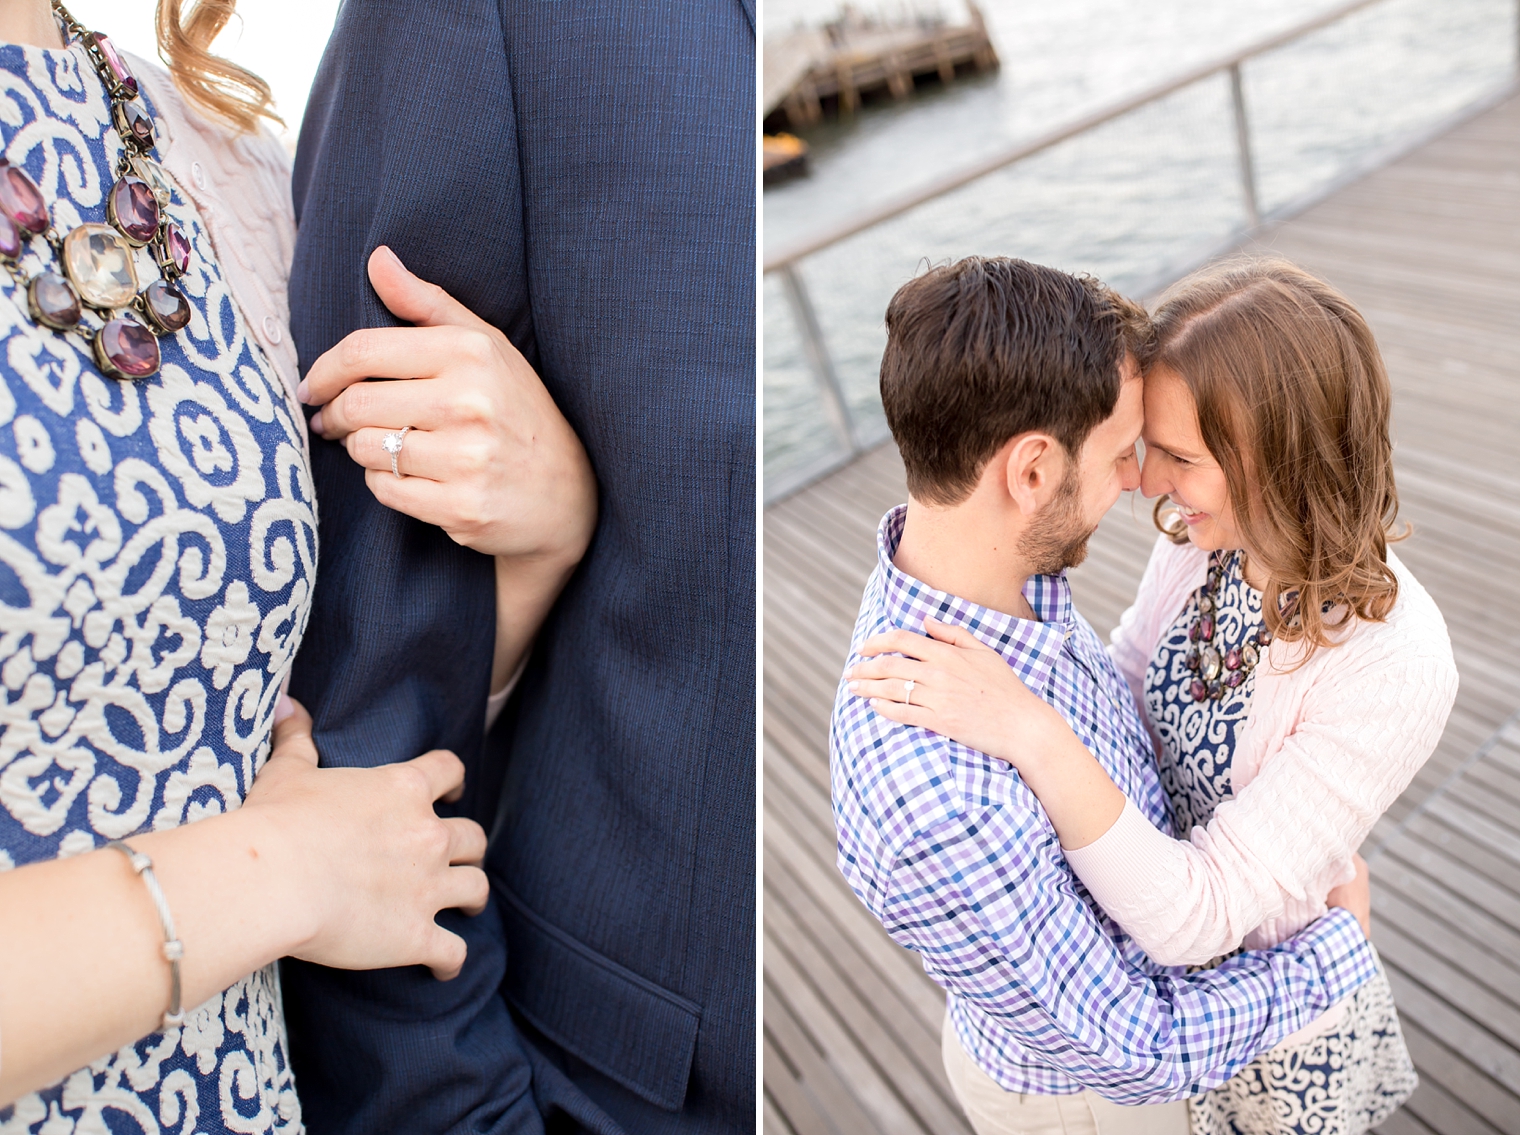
<point>1429,247</point>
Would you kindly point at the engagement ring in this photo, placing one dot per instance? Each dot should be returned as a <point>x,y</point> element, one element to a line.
<point>908,684</point>
<point>392,443</point>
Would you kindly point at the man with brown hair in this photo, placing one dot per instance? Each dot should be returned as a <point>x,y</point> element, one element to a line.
<point>1014,394</point>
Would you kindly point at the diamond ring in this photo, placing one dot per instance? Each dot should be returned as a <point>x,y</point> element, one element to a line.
<point>908,684</point>
<point>391,443</point>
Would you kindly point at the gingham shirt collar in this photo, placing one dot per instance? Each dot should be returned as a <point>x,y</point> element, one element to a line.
<point>1056,655</point>
<point>1030,647</point>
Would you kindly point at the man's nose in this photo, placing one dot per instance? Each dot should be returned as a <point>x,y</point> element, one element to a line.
<point>1130,479</point>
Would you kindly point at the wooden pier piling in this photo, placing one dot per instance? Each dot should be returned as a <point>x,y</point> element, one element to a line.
<point>837,67</point>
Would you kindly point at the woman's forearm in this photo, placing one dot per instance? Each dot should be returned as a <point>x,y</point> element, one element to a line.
<point>526,587</point>
<point>82,969</point>
<point>1080,798</point>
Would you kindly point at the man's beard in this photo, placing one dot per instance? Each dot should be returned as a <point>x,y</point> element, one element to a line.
<point>1058,538</point>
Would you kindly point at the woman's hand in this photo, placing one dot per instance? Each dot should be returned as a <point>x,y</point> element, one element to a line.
<point>346,867</point>
<point>368,856</point>
<point>1355,895</point>
<point>964,690</point>
<point>489,457</point>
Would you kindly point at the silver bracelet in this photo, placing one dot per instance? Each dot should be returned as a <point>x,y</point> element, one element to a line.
<point>174,949</point>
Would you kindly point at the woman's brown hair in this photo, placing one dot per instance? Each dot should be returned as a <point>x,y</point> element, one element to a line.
<point>1293,402</point>
<point>221,86</point>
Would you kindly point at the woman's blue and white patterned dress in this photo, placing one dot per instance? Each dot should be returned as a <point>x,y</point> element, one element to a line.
<point>157,552</point>
<point>1356,1074</point>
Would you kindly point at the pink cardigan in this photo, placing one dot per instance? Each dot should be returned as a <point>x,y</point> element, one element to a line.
<point>1327,748</point>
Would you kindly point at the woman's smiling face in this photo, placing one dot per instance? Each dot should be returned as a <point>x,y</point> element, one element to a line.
<point>1179,464</point>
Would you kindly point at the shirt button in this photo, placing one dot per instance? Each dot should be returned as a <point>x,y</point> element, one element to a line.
<point>272,330</point>
<point>198,175</point>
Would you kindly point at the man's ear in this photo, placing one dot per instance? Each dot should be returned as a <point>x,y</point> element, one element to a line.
<point>1033,464</point>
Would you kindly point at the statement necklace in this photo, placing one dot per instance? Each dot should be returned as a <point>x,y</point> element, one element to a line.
<point>99,270</point>
<point>1218,667</point>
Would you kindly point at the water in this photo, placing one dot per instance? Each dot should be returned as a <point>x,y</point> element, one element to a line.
<point>1128,202</point>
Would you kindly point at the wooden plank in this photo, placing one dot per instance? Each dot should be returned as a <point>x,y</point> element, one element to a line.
<point>895,1042</point>
<point>1487,915</point>
<point>1448,941</point>
<point>821,898</point>
<point>774,1121</point>
<point>1435,1061</point>
<point>802,1079</point>
<point>1438,1109</point>
<point>837,1045</point>
<point>1402,1122</point>
<point>1442,830</point>
<point>1455,1030</point>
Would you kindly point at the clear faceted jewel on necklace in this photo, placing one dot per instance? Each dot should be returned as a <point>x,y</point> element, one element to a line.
<point>98,262</point>
<point>153,173</point>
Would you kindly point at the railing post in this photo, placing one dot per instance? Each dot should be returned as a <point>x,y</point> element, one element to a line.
<point>819,363</point>
<point>1243,145</point>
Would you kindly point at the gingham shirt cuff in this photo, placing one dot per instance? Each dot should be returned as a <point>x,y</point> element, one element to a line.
<point>1345,957</point>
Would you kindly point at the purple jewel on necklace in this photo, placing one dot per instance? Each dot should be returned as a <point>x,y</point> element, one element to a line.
<point>174,251</point>
<point>124,77</point>
<point>126,349</point>
<point>1232,658</point>
<point>10,239</point>
<point>1198,689</point>
<point>133,210</point>
<point>1206,628</point>
<point>167,308</point>
<point>21,200</point>
<point>133,124</point>
<point>1193,633</point>
<point>1236,677</point>
<point>54,302</point>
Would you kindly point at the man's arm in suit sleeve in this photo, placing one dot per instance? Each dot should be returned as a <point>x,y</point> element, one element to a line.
<point>408,140</point>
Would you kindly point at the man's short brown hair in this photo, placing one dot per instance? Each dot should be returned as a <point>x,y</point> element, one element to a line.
<point>987,348</point>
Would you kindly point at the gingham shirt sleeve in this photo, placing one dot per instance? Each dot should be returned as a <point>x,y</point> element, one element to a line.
<point>997,919</point>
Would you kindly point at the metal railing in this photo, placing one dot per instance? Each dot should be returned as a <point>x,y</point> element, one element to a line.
<point>849,432</point>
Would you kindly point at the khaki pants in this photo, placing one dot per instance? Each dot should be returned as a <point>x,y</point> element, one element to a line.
<point>993,1111</point>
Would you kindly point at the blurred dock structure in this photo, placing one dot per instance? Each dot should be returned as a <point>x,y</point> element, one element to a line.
<point>1428,247</point>
<point>854,57</point>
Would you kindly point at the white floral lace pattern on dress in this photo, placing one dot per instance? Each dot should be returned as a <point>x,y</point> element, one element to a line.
<point>157,550</point>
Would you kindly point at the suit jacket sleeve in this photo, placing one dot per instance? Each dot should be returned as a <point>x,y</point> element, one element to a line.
<point>409,140</point>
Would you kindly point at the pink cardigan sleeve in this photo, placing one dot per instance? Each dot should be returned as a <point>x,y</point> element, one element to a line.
<point>1372,711</point>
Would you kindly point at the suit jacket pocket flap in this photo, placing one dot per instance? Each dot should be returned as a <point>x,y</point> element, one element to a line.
<point>623,1025</point>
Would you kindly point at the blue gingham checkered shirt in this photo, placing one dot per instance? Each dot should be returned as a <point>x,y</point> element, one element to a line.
<point>954,855</point>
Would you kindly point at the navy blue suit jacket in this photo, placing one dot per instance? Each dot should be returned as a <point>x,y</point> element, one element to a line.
<point>581,175</point>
